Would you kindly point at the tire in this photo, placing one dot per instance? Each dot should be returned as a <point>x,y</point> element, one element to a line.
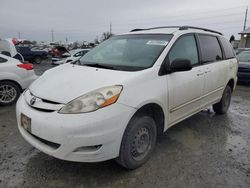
<point>9,93</point>
<point>38,60</point>
<point>138,142</point>
<point>222,106</point>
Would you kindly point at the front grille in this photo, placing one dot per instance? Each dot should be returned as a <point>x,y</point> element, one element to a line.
<point>51,102</point>
<point>46,142</point>
<point>41,109</point>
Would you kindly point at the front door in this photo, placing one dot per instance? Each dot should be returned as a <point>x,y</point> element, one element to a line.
<point>185,88</point>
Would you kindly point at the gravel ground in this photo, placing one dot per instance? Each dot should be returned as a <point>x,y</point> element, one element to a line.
<point>206,150</point>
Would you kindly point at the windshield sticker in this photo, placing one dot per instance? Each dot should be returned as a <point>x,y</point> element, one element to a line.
<point>157,42</point>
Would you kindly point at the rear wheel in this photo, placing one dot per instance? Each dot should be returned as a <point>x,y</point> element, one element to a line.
<point>138,142</point>
<point>222,106</point>
<point>38,60</point>
<point>9,93</point>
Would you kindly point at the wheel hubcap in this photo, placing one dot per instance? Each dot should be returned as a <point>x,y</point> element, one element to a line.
<point>141,144</point>
<point>7,93</point>
<point>227,99</point>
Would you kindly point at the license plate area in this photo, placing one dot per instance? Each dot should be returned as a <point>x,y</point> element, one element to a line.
<point>26,122</point>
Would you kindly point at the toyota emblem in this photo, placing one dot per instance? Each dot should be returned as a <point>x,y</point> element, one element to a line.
<point>32,101</point>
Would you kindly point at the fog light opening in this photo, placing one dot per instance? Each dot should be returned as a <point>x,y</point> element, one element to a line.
<point>88,148</point>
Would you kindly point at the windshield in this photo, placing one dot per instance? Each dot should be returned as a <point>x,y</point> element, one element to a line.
<point>244,56</point>
<point>127,52</point>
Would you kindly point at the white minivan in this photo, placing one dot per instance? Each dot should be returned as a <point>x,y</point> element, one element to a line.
<point>116,99</point>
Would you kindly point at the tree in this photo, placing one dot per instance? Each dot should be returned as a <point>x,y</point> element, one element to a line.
<point>96,41</point>
<point>106,35</point>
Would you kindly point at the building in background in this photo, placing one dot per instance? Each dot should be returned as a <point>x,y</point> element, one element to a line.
<point>245,38</point>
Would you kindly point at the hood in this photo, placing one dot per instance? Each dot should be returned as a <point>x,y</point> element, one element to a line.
<point>67,82</point>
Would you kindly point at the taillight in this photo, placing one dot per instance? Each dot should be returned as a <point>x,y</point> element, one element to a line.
<point>27,66</point>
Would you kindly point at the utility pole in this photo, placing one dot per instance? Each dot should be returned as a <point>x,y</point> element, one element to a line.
<point>110,28</point>
<point>19,35</point>
<point>52,35</point>
<point>245,21</point>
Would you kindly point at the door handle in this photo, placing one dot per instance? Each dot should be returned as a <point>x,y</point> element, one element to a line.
<point>199,73</point>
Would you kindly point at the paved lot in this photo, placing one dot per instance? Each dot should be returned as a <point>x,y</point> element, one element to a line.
<point>205,150</point>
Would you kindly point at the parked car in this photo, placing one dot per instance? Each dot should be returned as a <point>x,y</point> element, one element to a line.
<point>8,48</point>
<point>244,66</point>
<point>123,93</point>
<point>58,51</point>
<point>73,56</point>
<point>14,78</point>
<point>33,56</point>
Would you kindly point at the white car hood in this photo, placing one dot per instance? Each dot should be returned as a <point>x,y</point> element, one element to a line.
<point>67,82</point>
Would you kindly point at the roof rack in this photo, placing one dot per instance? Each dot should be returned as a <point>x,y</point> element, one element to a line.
<point>200,28</point>
<point>162,27</point>
<point>179,27</point>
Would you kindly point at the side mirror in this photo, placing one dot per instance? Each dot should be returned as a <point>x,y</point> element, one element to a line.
<point>179,65</point>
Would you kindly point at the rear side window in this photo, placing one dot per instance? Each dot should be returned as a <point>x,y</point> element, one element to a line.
<point>228,49</point>
<point>210,48</point>
<point>185,48</point>
<point>2,60</point>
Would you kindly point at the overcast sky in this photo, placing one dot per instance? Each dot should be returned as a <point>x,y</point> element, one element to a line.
<point>85,19</point>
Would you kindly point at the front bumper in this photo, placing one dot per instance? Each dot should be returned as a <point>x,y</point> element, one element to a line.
<point>76,135</point>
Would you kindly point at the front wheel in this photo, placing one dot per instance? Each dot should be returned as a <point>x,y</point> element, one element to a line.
<point>138,142</point>
<point>222,106</point>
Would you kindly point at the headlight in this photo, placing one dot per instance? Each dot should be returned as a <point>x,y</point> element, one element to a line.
<point>93,100</point>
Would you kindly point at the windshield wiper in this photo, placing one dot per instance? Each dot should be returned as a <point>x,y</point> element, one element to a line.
<point>99,65</point>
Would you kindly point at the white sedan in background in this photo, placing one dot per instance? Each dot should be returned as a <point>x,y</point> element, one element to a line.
<point>14,78</point>
<point>73,56</point>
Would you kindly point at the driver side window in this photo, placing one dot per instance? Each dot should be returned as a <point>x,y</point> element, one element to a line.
<point>185,48</point>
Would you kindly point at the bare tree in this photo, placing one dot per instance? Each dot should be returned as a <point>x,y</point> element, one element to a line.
<point>96,41</point>
<point>106,35</point>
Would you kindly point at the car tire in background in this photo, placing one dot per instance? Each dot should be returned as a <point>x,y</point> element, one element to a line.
<point>222,106</point>
<point>38,60</point>
<point>138,142</point>
<point>9,93</point>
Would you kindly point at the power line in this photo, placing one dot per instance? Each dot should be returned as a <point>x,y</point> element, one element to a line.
<point>193,14</point>
<point>180,20</point>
